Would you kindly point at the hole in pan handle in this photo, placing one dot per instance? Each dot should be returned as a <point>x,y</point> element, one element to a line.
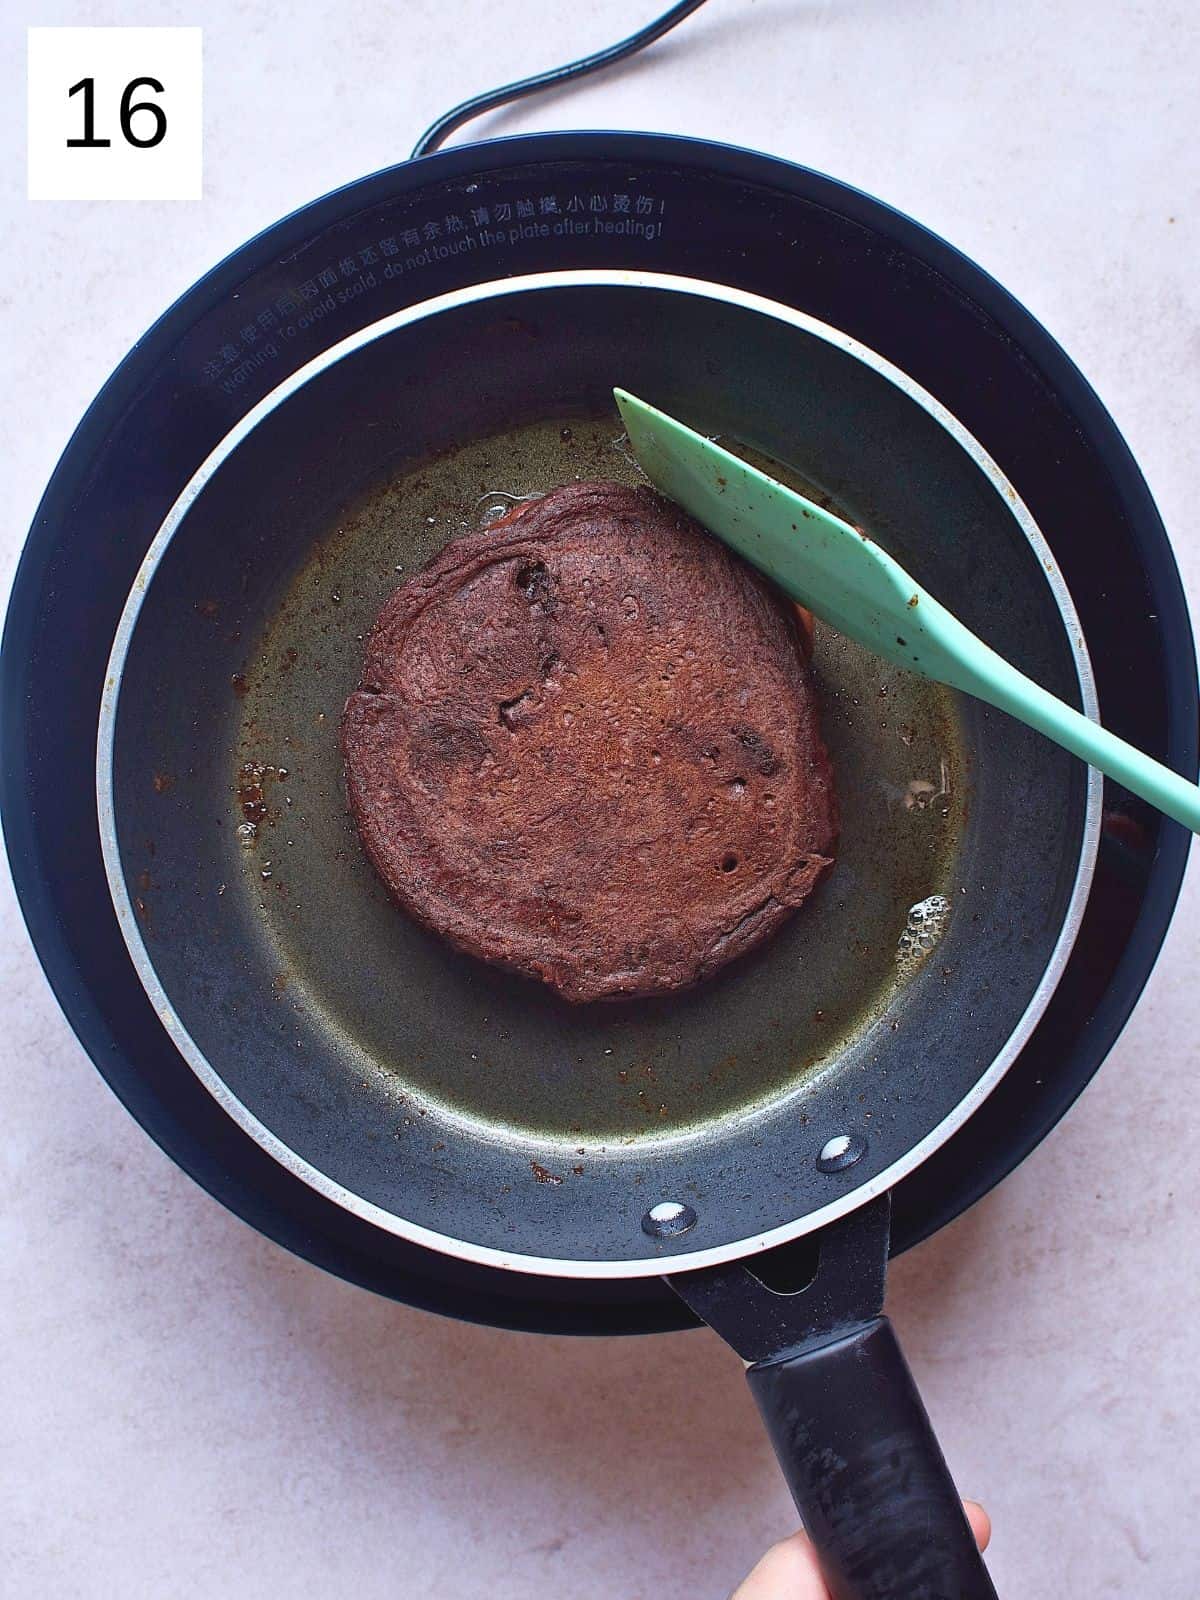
<point>848,1425</point>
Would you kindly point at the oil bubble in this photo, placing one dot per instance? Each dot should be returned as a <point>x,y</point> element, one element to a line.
<point>496,503</point>
<point>923,928</point>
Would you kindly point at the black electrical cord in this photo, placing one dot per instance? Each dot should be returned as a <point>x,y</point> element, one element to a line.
<point>446,125</point>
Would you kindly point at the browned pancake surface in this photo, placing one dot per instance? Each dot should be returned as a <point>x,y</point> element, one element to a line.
<point>585,747</point>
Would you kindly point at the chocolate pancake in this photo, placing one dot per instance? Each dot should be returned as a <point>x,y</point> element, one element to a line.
<point>585,747</point>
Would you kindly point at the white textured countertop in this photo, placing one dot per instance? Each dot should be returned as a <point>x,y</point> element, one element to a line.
<point>188,1410</point>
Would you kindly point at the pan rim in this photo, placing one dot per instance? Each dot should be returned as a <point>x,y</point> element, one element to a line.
<point>210,1078</point>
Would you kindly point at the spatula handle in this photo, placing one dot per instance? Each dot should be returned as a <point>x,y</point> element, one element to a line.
<point>989,677</point>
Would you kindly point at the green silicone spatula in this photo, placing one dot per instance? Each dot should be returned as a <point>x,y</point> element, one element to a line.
<point>857,588</point>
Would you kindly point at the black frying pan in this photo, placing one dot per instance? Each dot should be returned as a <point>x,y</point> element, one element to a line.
<point>472,1112</point>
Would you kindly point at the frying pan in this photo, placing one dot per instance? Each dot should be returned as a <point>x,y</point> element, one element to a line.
<point>740,1140</point>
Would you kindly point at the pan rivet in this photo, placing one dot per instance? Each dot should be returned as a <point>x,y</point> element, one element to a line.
<point>668,1219</point>
<point>840,1152</point>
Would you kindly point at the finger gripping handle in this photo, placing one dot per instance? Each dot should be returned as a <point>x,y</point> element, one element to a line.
<point>866,1472</point>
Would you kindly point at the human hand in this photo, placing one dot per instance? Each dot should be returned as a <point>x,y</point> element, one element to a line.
<point>789,1569</point>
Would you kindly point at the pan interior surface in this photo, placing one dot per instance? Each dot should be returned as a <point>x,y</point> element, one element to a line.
<point>438,1094</point>
<point>467,1040</point>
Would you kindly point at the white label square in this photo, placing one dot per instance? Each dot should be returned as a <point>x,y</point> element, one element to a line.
<point>131,129</point>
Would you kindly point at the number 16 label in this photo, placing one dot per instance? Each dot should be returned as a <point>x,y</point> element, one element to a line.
<point>115,114</point>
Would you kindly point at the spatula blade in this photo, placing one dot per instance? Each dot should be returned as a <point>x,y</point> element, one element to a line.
<point>851,583</point>
<point>811,554</point>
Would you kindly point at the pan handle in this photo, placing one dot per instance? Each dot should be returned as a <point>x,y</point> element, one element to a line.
<point>866,1472</point>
